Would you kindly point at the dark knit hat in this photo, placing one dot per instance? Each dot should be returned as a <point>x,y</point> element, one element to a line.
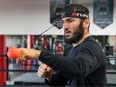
<point>75,10</point>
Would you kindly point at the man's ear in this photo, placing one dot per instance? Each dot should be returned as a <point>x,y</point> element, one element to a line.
<point>86,23</point>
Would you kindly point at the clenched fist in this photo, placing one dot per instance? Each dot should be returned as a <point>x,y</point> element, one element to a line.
<point>45,71</point>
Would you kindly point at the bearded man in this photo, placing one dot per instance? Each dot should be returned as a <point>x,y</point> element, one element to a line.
<point>85,62</point>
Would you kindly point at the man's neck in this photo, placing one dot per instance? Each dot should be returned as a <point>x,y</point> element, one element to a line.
<point>80,41</point>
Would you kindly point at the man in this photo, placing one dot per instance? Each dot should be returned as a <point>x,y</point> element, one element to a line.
<point>83,65</point>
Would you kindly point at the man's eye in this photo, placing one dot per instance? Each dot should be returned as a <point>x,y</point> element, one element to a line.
<point>70,20</point>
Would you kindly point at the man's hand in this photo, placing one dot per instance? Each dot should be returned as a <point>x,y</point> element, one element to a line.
<point>28,54</point>
<point>45,71</point>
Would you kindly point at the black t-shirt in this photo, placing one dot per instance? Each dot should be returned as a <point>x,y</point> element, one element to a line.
<point>85,65</point>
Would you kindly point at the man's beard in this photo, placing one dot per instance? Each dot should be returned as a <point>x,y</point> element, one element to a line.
<point>77,36</point>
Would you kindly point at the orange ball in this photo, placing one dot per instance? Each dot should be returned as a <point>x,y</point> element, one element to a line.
<point>13,53</point>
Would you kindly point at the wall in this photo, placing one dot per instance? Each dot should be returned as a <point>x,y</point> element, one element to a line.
<point>32,17</point>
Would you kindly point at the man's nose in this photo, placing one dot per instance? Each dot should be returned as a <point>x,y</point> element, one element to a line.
<point>65,25</point>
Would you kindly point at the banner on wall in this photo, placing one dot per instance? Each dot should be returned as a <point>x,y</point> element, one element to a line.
<point>103,13</point>
<point>56,12</point>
